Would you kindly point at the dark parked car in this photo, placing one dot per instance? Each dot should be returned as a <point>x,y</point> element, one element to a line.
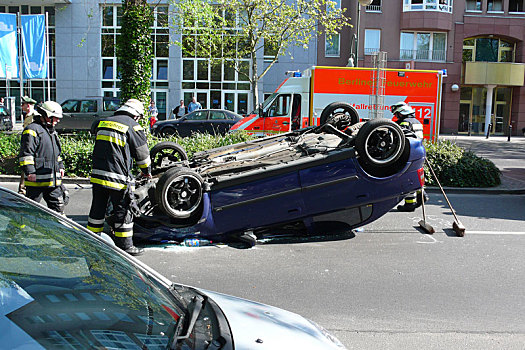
<point>302,178</point>
<point>62,286</point>
<point>206,121</point>
<point>5,119</point>
<point>79,114</point>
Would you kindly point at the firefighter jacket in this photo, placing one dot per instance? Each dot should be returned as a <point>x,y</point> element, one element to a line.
<point>119,140</point>
<point>412,124</point>
<point>40,154</point>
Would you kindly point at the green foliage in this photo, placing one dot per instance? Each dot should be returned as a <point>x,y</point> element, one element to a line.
<point>135,51</point>
<point>77,149</point>
<point>456,167</point>
<point>229,30</point>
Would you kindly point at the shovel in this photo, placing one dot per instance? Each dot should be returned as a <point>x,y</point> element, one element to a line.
<point>456,225</point>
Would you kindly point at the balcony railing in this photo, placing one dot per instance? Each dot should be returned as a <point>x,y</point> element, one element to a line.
<point>423,55</point>
<point>428,5</point>
<point>373,8</point>
<point>370,50</point>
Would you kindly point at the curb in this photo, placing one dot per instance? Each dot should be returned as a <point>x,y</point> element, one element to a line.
<point>66,180</point>
<point>461,190</point>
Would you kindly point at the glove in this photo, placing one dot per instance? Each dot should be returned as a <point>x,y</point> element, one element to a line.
<point>31,177</point>
<point>145,176</point>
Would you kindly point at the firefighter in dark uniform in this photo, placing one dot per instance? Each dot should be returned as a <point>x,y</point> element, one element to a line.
<point>406,119</point>
<point>119,140</point>
<point>40,157</point>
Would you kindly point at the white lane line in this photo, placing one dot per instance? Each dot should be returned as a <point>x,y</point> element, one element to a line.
<point>517,233</point>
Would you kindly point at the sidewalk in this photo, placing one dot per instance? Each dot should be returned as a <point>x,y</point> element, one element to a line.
<point>508,156</point>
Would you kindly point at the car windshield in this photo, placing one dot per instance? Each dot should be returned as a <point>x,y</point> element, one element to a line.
<point>61,288</point>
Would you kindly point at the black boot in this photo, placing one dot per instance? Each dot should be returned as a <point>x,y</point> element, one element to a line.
<point>407,207</point>
<point>126,244</point>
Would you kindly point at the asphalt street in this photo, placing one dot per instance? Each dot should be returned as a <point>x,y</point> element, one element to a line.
<point>387,286</point>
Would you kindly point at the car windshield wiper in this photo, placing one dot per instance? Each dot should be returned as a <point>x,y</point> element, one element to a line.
<point>198,302</point>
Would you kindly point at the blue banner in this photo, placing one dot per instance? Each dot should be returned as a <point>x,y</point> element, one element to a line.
<point>34,44</point>
<point>8,46</point>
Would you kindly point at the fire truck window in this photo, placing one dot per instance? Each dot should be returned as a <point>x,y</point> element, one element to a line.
<point>280,107</point>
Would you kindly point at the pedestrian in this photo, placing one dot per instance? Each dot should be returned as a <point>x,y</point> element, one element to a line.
<point>118,139</point>
<point>194,105</point>
<point>28,110</point>
<point>40,158</point>
<point>406,119</point>
<point>180,111</point>
<point>153,113</point>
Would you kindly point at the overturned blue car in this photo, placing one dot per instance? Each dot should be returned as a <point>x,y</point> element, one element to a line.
<point>306,178</point>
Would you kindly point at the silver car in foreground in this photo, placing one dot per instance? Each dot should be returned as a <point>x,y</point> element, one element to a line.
<point>63,287</point>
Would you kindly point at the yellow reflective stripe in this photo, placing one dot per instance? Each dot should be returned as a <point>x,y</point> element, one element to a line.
<point>95,229</point>
<point>111,139</point>
<point>410,201</point>
<point>142,166</point>
<point>124,234</point>
<point>30,132</point>
<point>42,184</point>
<point>108,183</point>
<point>113,125</point>
<point>137,128</point>
<point>27,162</point>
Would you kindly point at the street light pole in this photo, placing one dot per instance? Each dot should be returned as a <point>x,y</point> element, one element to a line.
<point>359,4</point>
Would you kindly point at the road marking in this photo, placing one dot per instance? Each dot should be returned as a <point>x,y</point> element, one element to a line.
<point>517,233</point>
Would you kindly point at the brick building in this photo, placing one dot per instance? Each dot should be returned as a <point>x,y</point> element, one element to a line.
<point>478,42</point>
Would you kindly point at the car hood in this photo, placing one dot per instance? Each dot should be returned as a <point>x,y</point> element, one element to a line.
<point>259,326</point>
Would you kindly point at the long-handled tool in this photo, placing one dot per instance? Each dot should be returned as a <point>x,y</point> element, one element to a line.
<point>423,223</point>
<point>456,225</point>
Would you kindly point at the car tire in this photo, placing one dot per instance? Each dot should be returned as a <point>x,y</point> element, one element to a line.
<point>168,131</point>
<point>339,114</point>
<point>179,193</point>
<point>165,154</point>
<point>382,147</point>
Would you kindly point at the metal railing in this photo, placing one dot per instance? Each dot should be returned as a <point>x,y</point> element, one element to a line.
<point>373,8</point>
<point>423,55</point>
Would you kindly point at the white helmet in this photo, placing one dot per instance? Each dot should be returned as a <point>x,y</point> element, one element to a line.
<point>405,110</point>
<point>396,106</point>
<point>50,109</point>
<point>133,107</point>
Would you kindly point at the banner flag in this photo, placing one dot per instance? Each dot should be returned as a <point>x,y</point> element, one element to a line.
<point>34,44</point>
<point>8,46</point>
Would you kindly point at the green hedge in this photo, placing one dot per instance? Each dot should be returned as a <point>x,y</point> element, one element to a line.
<point>453,165</point>
<point>456,167</point>
<point>76,150</point>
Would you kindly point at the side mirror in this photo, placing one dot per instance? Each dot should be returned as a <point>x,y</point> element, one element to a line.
<point>261,112</point>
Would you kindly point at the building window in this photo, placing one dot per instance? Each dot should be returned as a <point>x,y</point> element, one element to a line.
<point>423,46</point>
<point>515,5</point>
<point>488,50</point>
<point>494,6</point>
<point>428,5</point>
<point>372,41</point>
<point>473,5</point>
<point>375,6</point>
<point>331,48</point>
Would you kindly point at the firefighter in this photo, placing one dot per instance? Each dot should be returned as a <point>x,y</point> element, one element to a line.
<point>28,110</point>
<point>406,119</point>
<point>40,157</point>
<point>119,140</point>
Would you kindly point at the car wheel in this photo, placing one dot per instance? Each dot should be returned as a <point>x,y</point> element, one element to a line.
<point>179,193</point>
<point>382,148</point>
<point>168,131</point>
<point>165,154</point>
<point>339,114</point>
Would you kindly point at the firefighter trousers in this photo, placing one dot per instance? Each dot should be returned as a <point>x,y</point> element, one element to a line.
<point>120,220</point>
<point>53,196</point>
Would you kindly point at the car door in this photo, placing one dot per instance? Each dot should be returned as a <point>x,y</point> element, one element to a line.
<point>277,115</point>
<point>70,109</point>
<point>89,112</point>
<point>218,124</point>
<point>193,122</point>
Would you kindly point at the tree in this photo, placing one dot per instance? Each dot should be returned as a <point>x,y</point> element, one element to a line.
<point>232,30</point>
<point>135,51</point>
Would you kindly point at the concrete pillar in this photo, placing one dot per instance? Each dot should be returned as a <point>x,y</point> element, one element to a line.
<point>488,106</point>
